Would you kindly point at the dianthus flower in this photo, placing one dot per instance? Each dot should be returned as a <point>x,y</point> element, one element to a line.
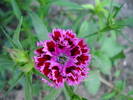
<point>63,59</point>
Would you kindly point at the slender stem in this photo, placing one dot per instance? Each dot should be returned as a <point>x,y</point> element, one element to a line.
<point>69,90</point>
<point>106,82</point>
<point>73,96</point>
<point>101,30</point>
<point>113,87</point>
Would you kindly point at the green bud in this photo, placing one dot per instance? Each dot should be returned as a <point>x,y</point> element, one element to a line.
<point>19,56</point>
<point>27,67</point>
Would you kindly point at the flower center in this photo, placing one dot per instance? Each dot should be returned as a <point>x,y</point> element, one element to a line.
<point>62,59</point>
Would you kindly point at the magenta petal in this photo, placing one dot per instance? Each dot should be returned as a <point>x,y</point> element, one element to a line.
<point>64,58</point>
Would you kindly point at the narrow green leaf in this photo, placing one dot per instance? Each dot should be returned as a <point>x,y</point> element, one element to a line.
<point>28,86</point>
<point>105,3</point>
<point>37,87</point>
<point>92,83</point>
<point>116,58</point>
<point>5,63</point>
<point>126,21</point>
<point>54,93</point>
<point>77,22</point>
<point>71,94</point>
<point>108,96</point>
<point>16,9</point>
<point>77,97</point>
<point>130,92</point>
<point>129,21</point>
<point>67,97</point>
<point>83,98</point>
<point>88,6</point>
<point>7,36</point>
<point>119,56</point>
<point>97,2</point>
<point>120,85</point>
<point>14,82</point>
<point>40,28</point>
<point>130,98</point>
<point>71,5</point>
<point>69,90</point>
<point>116,10</point>
<point>121,97</point>
<point>17,34</point>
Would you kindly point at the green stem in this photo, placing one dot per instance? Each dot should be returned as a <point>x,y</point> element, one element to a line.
<point>114,88</point>
<point>69,90</point>
<point>73,96</point>
<point>106,28</point>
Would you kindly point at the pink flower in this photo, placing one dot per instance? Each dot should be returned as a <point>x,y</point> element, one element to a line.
<point>64,58</point>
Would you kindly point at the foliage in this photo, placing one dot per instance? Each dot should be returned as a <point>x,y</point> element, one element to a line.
<point>24,22</point>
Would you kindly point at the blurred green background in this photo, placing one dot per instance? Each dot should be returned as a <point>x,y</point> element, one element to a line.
<point>106,25</point>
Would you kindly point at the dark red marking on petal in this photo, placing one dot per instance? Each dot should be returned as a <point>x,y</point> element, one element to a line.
<point>47,64</point>
<point>51,46</point>
<point>70,34</point>
<point>83,74</point>
<point>55,68</point>
<point>39,64</point>
<point>46,69</point>
<point>77,68</point>
<point>71,78</point>
<point>57,35</point>
<point>60,79</point>
<point>70,69</point>
<point>82,59</point>
<point>39,50</point>
<point>69,41</point>
<point>44,58</point>
<point>84,50</point>
<point>81,44</point>
<point>48,57</point>
<point>41,59</point>
<point>57,74</point>
<point>75,51</point>
<point>60,46</point>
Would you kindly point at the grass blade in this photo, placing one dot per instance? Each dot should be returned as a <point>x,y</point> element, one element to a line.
<point>28,86</point>
<point>64,3</point>
<point>16,9</point>
<point>14,82</point>
<point>66,94</point>
<point>5,63</point>
<point>17,34</point>
<point>7,36</point>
